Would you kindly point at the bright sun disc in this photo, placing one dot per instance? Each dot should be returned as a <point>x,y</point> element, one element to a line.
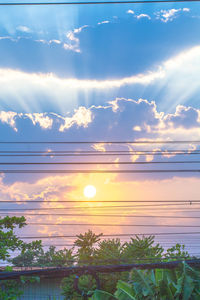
<point>89,191</point>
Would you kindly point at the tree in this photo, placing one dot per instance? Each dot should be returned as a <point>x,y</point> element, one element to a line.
<point>85,256</point>
<point>33,257</point>
<point>8,239</point>
<point>182,283</point>
<point>9,242</point>
<point>53,258</point>
<point>177,251</point>
<point>141,249</point>
<point>86,246</point>
<point>110,252</point>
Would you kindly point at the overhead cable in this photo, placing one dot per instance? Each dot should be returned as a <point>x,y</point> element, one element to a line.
<point>102,163</point>
<point>92,2</point>
<point>109,235</point>
<point>99,171</point>
<point>111,225</point>
<point>102,215</point>
<point>101,201</point>
<point>108,142</point>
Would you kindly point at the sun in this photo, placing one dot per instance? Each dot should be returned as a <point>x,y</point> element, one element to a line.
<point>89,191</point>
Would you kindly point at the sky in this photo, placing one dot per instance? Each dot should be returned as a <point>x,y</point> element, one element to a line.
<point>102,73</point>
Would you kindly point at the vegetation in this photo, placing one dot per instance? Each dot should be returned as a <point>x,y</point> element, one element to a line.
<point>89,249</point>
<point>182,283</point>
<point>9,242</point>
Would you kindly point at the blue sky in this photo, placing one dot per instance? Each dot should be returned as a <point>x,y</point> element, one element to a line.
<point>100,72</point>
<point>110,72</point>
<point>96,43</point>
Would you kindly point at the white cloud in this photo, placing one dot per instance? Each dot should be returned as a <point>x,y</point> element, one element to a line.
<point>145,122</point>
<point>82,117</point>
<point>176,73</point>
<point>144,115</point>
<point>49,42</point>
<point>55,41</point>
<point>74,43</point>
<point>103,22</point>
<point>51,83</point>
<point>8,117</point>
<point>42,119</point>
<point>130,11</point>
<point>186,9</point>
<point>137,128</point>
<point>169,15</point>
<point>143,16</point>
<point>24,29</point>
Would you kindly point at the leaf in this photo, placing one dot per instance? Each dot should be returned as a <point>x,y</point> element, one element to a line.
<point>124,291</point>
<point>165,290</point>
<point>185,284</point>
<point>102,295</point>
<point>142,280</point>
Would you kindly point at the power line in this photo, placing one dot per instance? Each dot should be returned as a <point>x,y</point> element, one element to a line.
<point>96,151</point>
<point>107,142</point>
<point>103,201</point>
<point>112,225</point>
<point>99,154</point>
<point>110,235</point>
<point>102,163</point>
<point>98,171</point>
<point>100,207</point>
<point>92,2</point>
<point>71,245</point>
<point>106,215</point>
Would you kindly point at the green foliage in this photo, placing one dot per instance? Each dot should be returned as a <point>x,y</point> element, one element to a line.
<point>67,286</point>
<point>9,290</point>
<point>141,248</point>
<point>102,295</point>
<point>177,251</point>
<point>36,256</point>
<point>53,258</point>
<point>109,252</point>
<point>124,291</point>
<point>93,251</point>
<point>87,286</point>
<point>86,247</point>
<point>178,284</point>
<point>28,255</point>
<point>182,283</point>
<point>8,240</point>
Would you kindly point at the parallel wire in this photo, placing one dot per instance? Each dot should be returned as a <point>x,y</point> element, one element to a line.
<point>93,2</point>
<point>183,202</point>
<point>102,163</point>
<point>112,225</point>
<point>96,151</point>
<point>105,215</point>
<point>99,154</point>
<point>72,245</point>
<point>92,171</point>
<point>107,171</point>
<point>110,235</point>
<point>107,142</point>
<point>102,207</point>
